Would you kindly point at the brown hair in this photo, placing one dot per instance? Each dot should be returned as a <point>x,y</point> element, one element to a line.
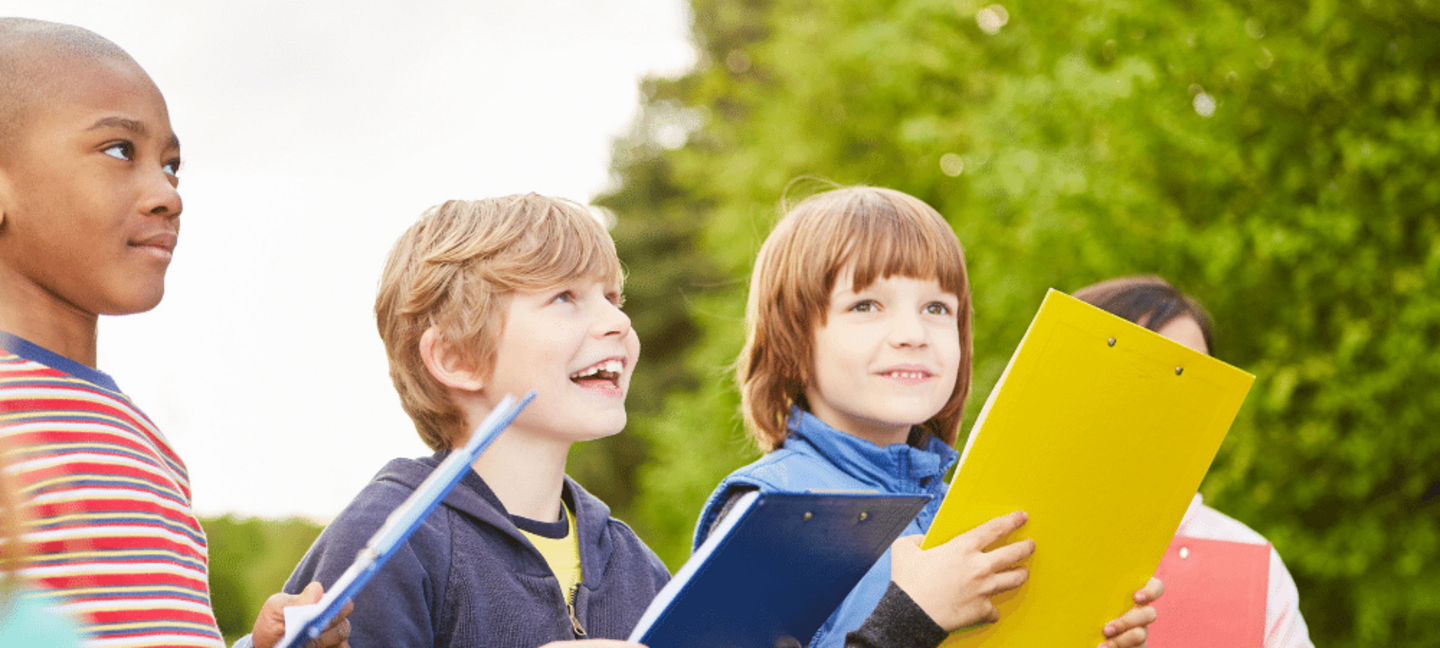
<point>881,232</point>
<point>1148,301</point>
<point>455,269</point>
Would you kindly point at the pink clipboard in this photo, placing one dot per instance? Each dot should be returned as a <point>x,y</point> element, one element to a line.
<point>1215,593</point>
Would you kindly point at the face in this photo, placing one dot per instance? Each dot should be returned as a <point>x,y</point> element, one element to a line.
<point>887,357</point>
<point>1186,331</point>
<point>90,208</point>
<point>574,346</point>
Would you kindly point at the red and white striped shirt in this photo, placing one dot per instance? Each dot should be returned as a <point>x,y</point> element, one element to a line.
<point>110,530</point>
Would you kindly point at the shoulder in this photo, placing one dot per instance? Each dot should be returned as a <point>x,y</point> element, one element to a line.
<point>351,530</point>
<point>1202,521</point>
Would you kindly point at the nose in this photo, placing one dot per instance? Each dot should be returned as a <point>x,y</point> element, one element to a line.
<point>907,330</point>
<point>612,320</point>
<point>162,196</point>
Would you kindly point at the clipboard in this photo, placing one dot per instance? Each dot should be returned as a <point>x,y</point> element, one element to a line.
<point>774,569</point>
<point>1215,594</point>
<point>1101,431</point>
<point>304,623</point>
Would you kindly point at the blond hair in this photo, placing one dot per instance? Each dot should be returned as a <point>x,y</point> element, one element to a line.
<point>455,269</point>
<point>883,233</point>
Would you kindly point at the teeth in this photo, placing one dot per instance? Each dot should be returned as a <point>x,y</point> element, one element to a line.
<point>608,366</point>
<point>909,375</point>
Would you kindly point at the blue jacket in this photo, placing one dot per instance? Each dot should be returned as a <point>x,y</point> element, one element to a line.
<point>468,577</point>
<point>816,456</point>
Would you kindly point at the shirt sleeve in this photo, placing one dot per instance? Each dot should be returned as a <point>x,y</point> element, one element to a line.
<point>1284,626</point>
<point>897,622</point>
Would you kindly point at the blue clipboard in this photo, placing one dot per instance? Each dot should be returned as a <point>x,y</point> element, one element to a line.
<point>774,568</point>
<point>313,619</point>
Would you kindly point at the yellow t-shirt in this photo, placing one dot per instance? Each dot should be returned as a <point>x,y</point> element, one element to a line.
<point>562,554</point>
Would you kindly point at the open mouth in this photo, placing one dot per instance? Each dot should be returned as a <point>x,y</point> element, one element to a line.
<point>604,371</point>
<point>907,375</point>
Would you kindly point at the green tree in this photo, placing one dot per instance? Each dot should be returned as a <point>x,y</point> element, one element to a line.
<point>1274,159</point>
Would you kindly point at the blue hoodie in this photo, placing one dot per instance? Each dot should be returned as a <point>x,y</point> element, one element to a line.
<point>816,456</point>
<point>469,578</point>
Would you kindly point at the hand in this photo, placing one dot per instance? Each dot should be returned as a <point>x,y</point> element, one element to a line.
<point>953,582</point>
<point>270,625</point>
<point>1130,630</point>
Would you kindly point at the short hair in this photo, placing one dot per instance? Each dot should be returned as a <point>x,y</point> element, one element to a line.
<point>455,270</point>
<point>1147,300</point>
<point>29,50</point>
<point>883,233</point>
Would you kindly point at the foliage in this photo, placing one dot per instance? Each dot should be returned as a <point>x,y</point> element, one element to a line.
<point>250,559</point>
<point>1274,159</point>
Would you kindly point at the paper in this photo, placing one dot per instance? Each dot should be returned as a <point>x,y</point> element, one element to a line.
<point>1101,431</point>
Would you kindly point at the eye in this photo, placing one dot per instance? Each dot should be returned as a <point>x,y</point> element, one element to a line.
<point>616,298</point>
<point>120,151</point>
<point>937,308</point>
<point>865,306</point>
<point>173,167</point>
<point>563,297</point>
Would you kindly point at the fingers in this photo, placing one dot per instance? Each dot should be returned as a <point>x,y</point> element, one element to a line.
<point>1132,638</point>
<point>335,636</point>
<point>1009,580</point>
<point>989,532</point>
<point>1136,618</point>
<point>1008,555</point>
<point>1151,592</point>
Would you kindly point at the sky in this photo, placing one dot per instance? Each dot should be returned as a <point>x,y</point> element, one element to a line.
<point>313,133</point>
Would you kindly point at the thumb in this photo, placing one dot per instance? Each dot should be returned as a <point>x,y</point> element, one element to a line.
<point>311,594</point>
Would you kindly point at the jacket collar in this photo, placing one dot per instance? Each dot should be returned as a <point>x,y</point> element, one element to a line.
<point>900,468</point>
<point>474,498</point>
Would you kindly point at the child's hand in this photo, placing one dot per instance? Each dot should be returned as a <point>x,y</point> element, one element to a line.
<point>953,582</point>
<point>270,625</point>
<point>1130,629</point>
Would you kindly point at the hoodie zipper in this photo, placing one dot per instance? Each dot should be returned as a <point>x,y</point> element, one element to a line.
<point>575,626</point>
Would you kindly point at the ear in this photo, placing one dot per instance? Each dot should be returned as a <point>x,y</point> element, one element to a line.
<point>446,365</point>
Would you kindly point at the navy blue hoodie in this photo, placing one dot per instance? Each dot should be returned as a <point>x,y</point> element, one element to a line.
<point>468,577</point>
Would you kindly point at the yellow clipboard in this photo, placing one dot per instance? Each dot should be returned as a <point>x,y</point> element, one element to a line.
<point>1101,431</point>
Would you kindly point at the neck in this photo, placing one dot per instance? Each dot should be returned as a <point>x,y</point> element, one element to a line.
<point>527,473</point>
<point>43,318</point>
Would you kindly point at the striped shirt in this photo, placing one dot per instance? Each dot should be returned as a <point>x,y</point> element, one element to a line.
<point>109,530</point>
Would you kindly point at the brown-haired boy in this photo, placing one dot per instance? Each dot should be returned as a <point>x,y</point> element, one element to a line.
<point>89,219</point>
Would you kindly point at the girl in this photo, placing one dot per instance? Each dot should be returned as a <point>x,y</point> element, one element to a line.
<point>855,371</point>
<point>1158,306</point>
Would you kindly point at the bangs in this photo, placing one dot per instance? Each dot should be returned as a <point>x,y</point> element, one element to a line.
<point>886,233</point>
<point>563,244</point>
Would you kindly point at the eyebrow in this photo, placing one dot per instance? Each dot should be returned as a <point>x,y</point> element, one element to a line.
<point>133,126</point>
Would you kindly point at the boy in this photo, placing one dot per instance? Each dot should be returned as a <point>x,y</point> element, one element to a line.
<point>480,299</point>
<point>89,219</point>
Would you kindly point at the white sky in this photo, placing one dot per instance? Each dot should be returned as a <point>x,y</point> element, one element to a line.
<point>313,133</point>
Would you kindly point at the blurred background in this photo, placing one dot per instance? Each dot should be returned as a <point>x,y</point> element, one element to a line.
<point>1277,160</point>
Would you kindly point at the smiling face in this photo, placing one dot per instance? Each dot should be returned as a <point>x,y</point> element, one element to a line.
<point>574,346</point>
<point>886,357</point>
<point>89,199</point>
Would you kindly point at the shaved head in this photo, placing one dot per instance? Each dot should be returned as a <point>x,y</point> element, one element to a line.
<point>32,55</point>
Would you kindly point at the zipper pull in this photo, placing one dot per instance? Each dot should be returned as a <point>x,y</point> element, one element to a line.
<point>575,626</point>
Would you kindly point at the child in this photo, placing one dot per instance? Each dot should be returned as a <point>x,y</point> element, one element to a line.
<point>89,218</point>
<point>856,367</point>
<point>479,300</point>
<point>500,296</point>
<point>1158,306</point>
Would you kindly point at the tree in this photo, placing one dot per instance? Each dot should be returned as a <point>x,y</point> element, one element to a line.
<point>1274,159</point>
